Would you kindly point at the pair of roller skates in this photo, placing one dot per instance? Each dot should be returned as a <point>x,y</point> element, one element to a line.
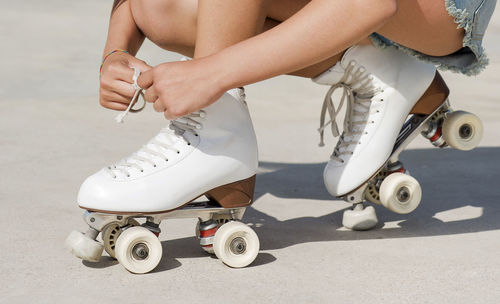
<point>204,164</point>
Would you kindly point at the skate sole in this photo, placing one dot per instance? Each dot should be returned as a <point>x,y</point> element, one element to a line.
<point>233,195</point>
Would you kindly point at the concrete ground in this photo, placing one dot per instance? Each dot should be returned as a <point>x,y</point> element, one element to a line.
<point>53,134</point>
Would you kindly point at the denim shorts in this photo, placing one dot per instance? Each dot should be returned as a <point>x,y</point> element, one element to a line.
<point>471,15</point>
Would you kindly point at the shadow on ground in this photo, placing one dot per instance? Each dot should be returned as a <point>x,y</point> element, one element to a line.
<point>450,180</point>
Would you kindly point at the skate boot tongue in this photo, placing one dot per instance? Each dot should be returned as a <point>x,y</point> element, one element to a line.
<point>156,151</point>
<point>358,91</point>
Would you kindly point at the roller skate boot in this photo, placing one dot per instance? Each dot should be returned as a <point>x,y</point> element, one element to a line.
<point>209,154</point>
<point>390,97</point>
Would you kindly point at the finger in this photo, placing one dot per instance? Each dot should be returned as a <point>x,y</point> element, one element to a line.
<point>118,71</point>
<point>159,106</point>
<point>141,65</point>
<point>113,105</point>
<point>120,87</point>
<point>169,115</point>
<point>114,97</point>
<point>150,95</point>
<point>146,79</point>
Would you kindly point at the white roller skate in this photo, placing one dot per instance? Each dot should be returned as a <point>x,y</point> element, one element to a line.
<point>211,153</point>
<point>390,97</point>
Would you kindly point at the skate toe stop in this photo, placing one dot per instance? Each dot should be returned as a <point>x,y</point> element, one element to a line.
<point>360,220</point>
<point>83,247</point>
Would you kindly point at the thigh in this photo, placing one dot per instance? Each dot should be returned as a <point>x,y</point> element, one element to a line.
<point>425,26</point>
<point>172,24</point>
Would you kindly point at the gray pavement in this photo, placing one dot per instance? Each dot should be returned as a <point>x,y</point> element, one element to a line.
<point>53,134</point>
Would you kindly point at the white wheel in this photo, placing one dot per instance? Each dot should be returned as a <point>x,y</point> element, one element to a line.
<point>400,193</point>
<point>462,130</point>
<point>84,247</point>
<point>138,250</point>
<point>111,233</point>
<point>236,244</point>
<point>360,219</point>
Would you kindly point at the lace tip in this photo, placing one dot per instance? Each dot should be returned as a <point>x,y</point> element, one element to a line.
<point>120,118</point>
<point>321,144</point>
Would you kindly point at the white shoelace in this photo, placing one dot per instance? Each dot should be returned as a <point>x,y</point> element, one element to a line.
<point>139,92</point>
<point>156,149</point>
<point>358,90</point>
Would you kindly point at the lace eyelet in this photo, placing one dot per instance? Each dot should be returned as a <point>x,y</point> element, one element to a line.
<point>189,144</point>
<point>166,159</point>
<point>142,171</point>
<point>128,175</point>
<point>381,99</point>
<point>196,135</point>
<point>154,166</point>
<point>178,152</point>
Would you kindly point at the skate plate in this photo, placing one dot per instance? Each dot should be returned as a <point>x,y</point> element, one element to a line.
<point>137,248</point>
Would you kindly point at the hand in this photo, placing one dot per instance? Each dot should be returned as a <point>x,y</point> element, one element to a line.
<point>180,88</point>
<point>116,80</point>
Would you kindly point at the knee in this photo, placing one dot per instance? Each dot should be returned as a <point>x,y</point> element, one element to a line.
<point>156,20</point>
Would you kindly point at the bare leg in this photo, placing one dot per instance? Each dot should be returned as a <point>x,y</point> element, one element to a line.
<point>222,23</point>
<point>174,25</point>
<point>425,26</point>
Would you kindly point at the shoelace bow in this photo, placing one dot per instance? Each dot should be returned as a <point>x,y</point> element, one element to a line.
<point>358,90</point>
<point>156,148</point>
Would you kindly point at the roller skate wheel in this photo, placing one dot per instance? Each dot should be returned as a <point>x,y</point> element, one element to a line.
<point>111,233</point>
<point>138,250</point>
<point>462,130</point>
<point>84,247</point>
<point>236,244</point>
<point>400,193</point>
<point>364,219</point>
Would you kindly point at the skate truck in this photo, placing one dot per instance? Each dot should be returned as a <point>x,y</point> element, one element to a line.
<point>392,186</point>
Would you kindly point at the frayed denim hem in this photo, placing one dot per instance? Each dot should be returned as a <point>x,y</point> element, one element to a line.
<point>464,20</point>
<point>470,60</point>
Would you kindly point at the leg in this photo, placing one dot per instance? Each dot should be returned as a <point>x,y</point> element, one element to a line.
<point>173,25</point>
<point>170,24</point>
<point>216,20</point>
<point>415,25</point>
